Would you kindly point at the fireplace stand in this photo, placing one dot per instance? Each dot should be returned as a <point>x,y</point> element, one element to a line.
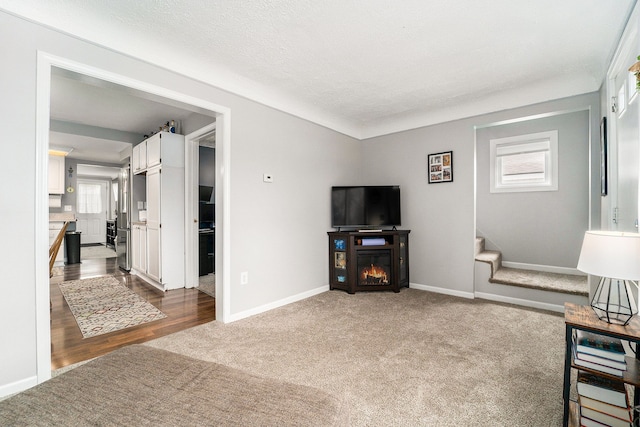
<point>369,261</point>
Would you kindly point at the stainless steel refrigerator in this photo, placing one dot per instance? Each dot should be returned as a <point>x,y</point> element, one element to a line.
<point>123,236</point>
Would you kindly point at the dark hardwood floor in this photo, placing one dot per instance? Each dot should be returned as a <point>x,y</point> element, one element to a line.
<point>184,308</point>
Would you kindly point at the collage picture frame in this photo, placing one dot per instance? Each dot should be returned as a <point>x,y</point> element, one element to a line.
<point>440,167</point>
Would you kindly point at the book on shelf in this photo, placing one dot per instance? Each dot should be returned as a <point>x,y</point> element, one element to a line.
<point>596,405</point>
<point>603,418</point>
<point>600,345</point>
<point>595,366</point>
<point>586,422</point>
<point>603,389</point>
<point>602,361</point>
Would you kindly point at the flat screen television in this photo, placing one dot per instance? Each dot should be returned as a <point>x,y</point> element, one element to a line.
<point>362,207</point>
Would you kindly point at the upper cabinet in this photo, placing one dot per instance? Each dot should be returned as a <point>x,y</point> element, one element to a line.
<point>139,161</point>
<point>151,152</point>
<point>56,174</point>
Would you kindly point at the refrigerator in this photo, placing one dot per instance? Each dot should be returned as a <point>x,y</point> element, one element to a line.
<point>123,235</point>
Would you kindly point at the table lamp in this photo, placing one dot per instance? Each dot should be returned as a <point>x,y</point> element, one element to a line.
<point>615,257</point>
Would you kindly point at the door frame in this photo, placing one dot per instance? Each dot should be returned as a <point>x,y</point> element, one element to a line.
<point>628,43</point>
<point>192,144</point>
<point>222,114</point>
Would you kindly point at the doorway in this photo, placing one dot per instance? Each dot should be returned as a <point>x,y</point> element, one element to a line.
<point>91,211</point>
<point>45,64</point>
<point>203,244</point>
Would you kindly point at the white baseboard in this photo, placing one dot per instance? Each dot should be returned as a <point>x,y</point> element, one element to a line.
<point>545,268</point>
<point>276,304</point>
<point>452,292</point>
<point>18,386</point>
<point>519,301</point>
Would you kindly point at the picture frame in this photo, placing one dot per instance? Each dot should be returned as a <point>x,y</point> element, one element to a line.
<point>604,179</point>
<point>440,167</point>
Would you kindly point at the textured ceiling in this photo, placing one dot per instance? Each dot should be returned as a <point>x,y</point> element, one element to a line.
<point>362,67</point>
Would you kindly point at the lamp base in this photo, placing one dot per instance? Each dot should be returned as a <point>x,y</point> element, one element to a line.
<point>613,301</point>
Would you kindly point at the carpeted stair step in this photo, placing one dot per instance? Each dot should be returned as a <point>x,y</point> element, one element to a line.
<point>554,282</point>
<point>494,258</point>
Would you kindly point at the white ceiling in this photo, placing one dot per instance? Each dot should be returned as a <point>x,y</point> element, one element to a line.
<point>362,67</point>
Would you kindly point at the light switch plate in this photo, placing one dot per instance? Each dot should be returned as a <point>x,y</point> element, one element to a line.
<point>68,208</point>
<point>267,177</point>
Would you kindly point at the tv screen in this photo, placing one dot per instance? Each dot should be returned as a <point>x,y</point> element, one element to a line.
<point>365,206</point>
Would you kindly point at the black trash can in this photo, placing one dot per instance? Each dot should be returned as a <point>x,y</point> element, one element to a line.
<point>72,246</point>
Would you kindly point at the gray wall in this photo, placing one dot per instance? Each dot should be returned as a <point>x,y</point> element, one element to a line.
<point>286,220</point>
<point>441,217</point>
<point>541,227</point>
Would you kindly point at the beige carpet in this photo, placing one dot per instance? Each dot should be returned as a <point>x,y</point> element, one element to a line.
<point>566,283</point>
<point>410,359</point>
<point>144,386</point>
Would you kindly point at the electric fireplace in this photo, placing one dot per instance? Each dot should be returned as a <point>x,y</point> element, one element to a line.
<point>374,268</point>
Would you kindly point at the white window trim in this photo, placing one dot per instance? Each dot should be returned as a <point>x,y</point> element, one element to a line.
<point>534,140</point>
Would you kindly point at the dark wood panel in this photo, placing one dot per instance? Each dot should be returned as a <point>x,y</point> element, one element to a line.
<point>184,308</point>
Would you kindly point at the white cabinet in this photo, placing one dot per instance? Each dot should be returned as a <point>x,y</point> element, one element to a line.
<point>139,161</point>
<point>165,258</point>
<point>139,248</point>
<point>56,174</point>
<point>149,153</point>
<point>154,197</point>
<point>154,148</point>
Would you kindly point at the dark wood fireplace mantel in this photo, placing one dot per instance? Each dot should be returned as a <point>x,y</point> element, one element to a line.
<point>369,261</point>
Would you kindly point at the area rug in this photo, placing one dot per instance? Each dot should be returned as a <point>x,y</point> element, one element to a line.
<point>103,304</point>
<point>97,252</point>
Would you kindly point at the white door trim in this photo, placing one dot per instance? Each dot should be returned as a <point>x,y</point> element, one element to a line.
<point>191,155</point>
<point>45,61</point>
<point>628,44</point>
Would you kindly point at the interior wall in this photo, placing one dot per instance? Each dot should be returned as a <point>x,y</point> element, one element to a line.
<point>538,227</point>
<point>441,216</point>
<point>278,230</point>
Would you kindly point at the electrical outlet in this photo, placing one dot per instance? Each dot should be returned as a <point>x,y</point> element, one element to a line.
<point>244,278</point>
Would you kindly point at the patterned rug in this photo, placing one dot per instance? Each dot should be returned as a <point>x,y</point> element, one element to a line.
<point>103,304</point>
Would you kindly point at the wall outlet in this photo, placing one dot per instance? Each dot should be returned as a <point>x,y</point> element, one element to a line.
<point>267,177</point>
<point>244,277</point>
<point>68,208</point>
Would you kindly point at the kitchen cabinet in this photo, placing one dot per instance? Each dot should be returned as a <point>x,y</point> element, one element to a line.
<point>149,152</point>
<point>165,212</point>
<point>154,148</point>
<point>56,174</point>
<point>139,247</point>
<point>139,160</point>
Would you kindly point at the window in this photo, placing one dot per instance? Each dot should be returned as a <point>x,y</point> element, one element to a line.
<point>89,198</point>
<point>524,163</point>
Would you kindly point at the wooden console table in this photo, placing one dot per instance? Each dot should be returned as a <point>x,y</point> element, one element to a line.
<point>582,317</point>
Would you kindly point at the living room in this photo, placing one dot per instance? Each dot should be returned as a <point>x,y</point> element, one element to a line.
<point>276,232</point>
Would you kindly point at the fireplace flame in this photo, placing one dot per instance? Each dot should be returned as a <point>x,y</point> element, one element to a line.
<point>374,275</point>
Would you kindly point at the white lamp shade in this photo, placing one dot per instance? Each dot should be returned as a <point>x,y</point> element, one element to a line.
<point>611,254</point>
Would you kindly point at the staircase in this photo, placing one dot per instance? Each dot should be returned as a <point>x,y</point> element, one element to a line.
<point>532,288</point>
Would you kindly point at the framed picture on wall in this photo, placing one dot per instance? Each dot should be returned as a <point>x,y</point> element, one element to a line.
<point>440,167</point>
<point>603,157</point>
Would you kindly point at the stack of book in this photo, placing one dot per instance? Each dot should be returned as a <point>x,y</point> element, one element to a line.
<point>599,352</point>
<point>603,401</point>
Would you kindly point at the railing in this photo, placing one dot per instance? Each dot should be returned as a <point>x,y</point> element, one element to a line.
<point>55,247</point>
